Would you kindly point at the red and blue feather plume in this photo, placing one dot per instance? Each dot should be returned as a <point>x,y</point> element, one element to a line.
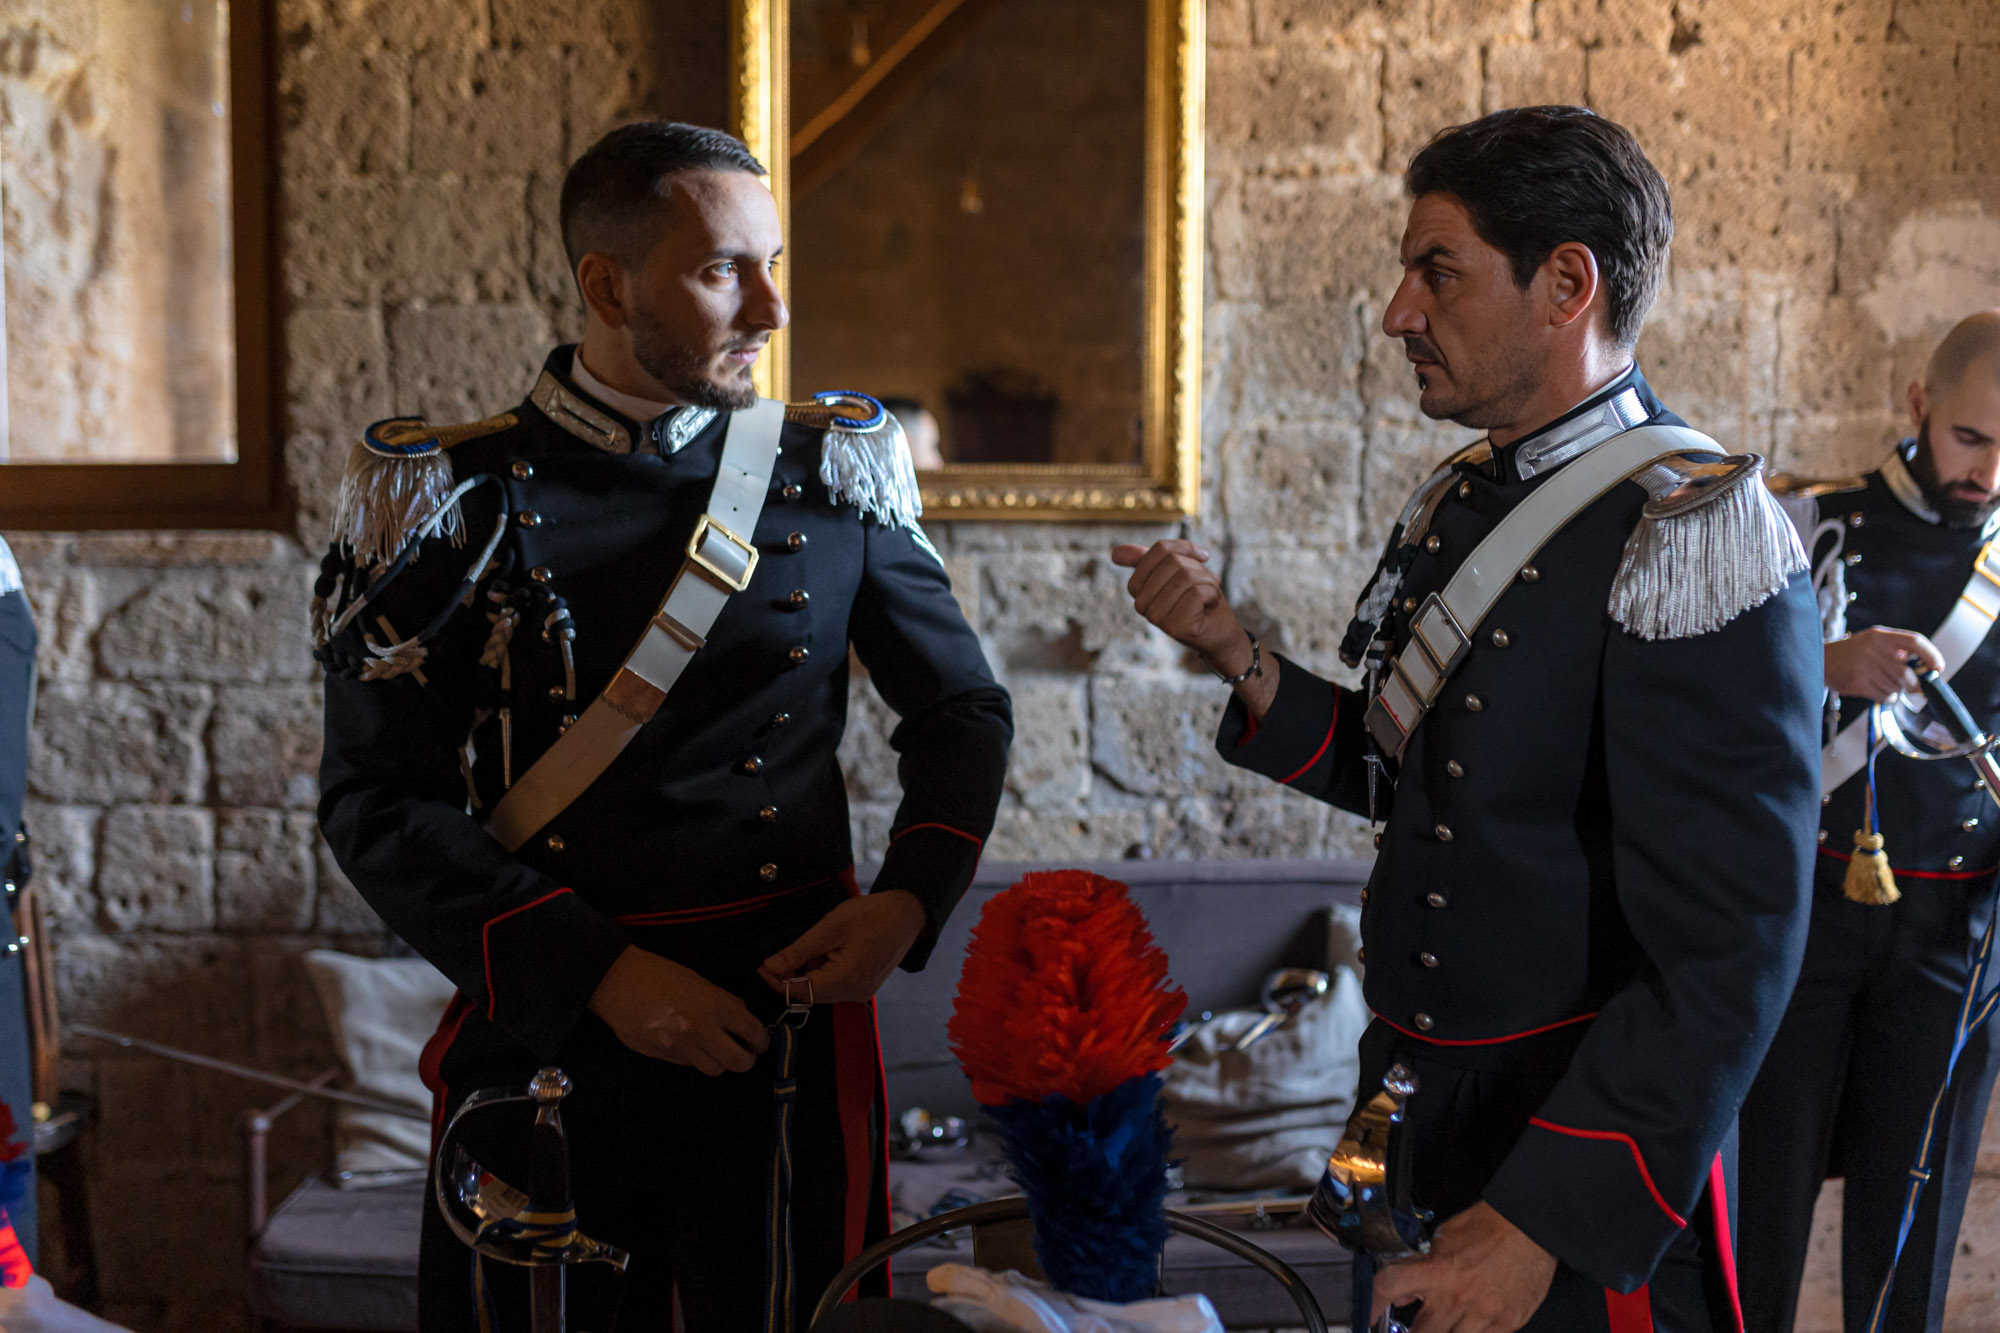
<point>1063,1015</point>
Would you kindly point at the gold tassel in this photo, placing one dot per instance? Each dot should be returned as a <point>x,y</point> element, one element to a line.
<point>1869,879</point>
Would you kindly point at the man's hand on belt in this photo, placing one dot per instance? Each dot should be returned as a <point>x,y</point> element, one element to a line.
<point>664,1010</point>
<point>1483,1275</point>
<point>1173,587</point>
<point>848,953</point>
<point>1875,663</point>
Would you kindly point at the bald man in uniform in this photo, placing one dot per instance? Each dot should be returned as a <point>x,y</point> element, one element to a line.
<point>1865,1041</point>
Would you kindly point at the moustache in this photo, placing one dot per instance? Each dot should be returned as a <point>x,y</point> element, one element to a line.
<point>1416,349</point>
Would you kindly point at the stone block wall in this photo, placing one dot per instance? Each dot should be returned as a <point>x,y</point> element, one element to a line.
<point>1837,175</point>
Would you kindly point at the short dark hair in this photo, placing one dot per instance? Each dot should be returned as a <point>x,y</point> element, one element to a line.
<point>1536,177</point>
<point>615,196</point>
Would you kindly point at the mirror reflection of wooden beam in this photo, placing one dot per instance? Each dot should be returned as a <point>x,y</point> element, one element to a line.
<point>827,142</point>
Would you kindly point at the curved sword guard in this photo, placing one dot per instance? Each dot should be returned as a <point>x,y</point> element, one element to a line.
<point>533,1228</point>
<point>1941,727</point>
<point>1363,1200</point>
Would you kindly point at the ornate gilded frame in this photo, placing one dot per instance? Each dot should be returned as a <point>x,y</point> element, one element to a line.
<point>1167,484</point>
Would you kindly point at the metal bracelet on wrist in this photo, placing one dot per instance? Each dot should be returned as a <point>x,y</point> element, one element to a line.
<point>1256,664</point>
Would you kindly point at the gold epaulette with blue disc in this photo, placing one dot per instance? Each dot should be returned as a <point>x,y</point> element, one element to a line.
<point>399,486</point>
<point>864,460</point>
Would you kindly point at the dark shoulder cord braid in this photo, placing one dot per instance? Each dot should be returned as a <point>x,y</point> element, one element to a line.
<point>380,583</point>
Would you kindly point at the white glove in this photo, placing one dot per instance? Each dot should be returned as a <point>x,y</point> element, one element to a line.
<point>35,1308</point>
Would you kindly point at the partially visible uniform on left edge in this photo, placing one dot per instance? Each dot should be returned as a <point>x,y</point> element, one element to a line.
<point>18,1246</point>
<point>715,838</point>
<point>1863,1046</point>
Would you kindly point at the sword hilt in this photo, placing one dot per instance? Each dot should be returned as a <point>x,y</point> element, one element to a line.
<point>1949,708</point>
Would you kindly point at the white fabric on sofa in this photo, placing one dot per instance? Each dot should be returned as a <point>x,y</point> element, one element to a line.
<point>381,1012</point>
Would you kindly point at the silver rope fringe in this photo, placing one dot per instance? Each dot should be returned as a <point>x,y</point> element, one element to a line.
<point>873,472</point>
<point>1696,563</point>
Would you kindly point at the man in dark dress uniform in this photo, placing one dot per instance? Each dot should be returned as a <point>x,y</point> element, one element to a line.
<point>1589,901</point>
<point>1864,1045</point>
<point>644,935</point>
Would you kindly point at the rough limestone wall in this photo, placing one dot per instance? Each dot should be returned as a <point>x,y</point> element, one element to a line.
<point>1837,179</point>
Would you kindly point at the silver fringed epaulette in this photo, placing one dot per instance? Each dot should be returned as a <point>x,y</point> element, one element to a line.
<point>398,482</point>
<point>1711,544</point>
<point>864,460</point>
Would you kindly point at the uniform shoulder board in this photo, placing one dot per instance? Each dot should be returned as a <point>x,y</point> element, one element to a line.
<point>1711,544</point>
<point>864,459</point>
<point>399,486</point>
<point>1786,486</point>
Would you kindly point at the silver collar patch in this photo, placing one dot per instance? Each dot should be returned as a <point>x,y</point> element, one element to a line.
<point>683,424</point>
<point>1580,434</point>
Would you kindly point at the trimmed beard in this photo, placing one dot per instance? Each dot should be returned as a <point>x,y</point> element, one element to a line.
<point>1954,512</point>
<point>683,369</point>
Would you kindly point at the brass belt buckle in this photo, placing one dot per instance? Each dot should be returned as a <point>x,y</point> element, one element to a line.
<point>702,561</point>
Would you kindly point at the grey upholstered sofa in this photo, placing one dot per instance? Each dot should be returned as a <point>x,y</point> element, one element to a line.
<point>329,1259</point>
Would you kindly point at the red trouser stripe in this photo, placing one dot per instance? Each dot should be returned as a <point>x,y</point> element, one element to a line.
<point>1629,1312</point>
<point>1725,1245</point>
<point>857,1075</point>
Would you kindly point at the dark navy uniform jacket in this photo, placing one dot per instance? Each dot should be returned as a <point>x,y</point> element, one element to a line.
<point>1906,571</point>
<point>1587,829</point>
<point>730,796</point>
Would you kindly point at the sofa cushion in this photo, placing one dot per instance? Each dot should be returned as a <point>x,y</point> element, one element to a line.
<point>340,1259</point>
<point>381,1011</point>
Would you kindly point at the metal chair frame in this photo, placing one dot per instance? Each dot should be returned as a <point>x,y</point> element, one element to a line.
<point>1015,1209</point>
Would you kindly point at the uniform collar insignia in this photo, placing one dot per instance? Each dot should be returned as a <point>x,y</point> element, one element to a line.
<point>1896,476</point>
<point>579,416</point>
<point>577,412</point>
<point>1612,410</point>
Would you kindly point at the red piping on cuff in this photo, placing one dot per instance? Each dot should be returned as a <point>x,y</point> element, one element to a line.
<point>976,842</point>
<point>1250,726</point>
<point>486,940</point>
<point>1613,1136</point>
<point>1901,873</point>
<point>1486,1041</point>
<point>1307,766</point>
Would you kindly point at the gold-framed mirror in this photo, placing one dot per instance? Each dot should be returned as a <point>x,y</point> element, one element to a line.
<point>993,219</point>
